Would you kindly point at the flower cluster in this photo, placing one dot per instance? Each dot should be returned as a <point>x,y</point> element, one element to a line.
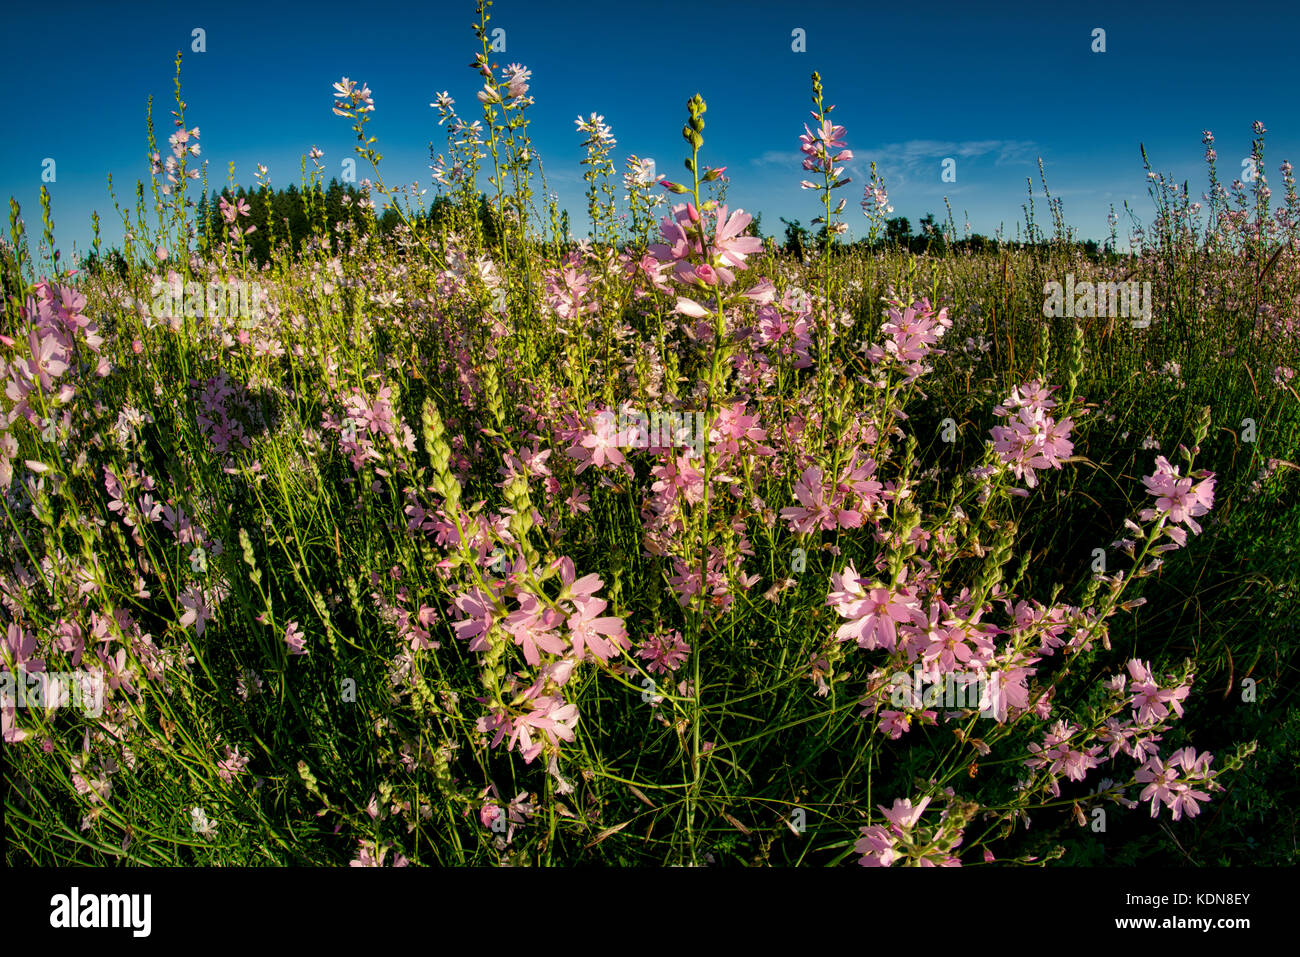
<point>232,211</point>
<point>913,333</point>
<point>355,99</point>
<point>567,629</point>
<point>49,347</point>
<point>665,651</point>
<point>1031,439</point>
<point>903,841</point>
<point>1179,783</point>
<point>728,248</point>
<point>173,168</point>
<point>366,419</point>
<point>1179,500</point>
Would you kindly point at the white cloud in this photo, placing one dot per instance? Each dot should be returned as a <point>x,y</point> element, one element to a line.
<point>920,159</point>
<point>789,158</point>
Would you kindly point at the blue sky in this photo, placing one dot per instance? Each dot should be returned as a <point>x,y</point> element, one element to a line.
<point>994,86</point>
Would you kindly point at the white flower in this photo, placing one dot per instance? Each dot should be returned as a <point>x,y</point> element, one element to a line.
<point>200,824</point>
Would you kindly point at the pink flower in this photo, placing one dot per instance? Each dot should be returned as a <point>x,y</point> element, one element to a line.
<point>677,477</point>
<point>233,763</point>
<point>903,815</point>
<point>1177,498</point>
<point>1194,770</point>
<point>847,591</point>
<point>553,717</point>
<point>950,640</point>
<point>533,628</point>
<point>873,618</point>
<point>1148,699</point>
<point>516,79</point>
<point>357,98</point>
<point>572,587</point>
<point>8,722</point>
<point>728,244</point>
<point>197,612</point>
<point>665,652</point>
<point>894,723</point>
<point>603,637</point>
<point>1056,754</point>
<point>481,611</point>
<point>16,650</point>
<point>294,640</point>
<point>1031,439</point>
<point>599,447</point>
<point>734,427</point>
<point>1160,780</point>
<point>913,333</point>
<point>812,512</point>
<point>876,847</point>
<point>681,245</point>
<point>689,307</point>
<point>817,511</point>
<point>231,211</point>
<point>370,855</point>
<point>817,147</point>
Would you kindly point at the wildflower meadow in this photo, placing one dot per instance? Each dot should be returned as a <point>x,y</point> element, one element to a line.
<point>440,524</point>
